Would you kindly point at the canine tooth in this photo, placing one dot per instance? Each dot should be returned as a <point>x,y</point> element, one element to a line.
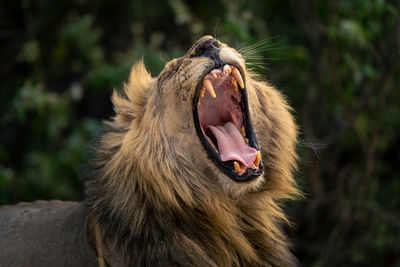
<point>208,86</point>
<point>237,167</point>
<point>215,75</point>
<point>246,140</point>
<point>258,158</point>
<point>238,77</point>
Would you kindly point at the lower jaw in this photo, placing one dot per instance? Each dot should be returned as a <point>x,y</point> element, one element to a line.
<point>237,189</point>
<point>227,169</point>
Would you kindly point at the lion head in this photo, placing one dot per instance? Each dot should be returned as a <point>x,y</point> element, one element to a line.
<point>204,137</point>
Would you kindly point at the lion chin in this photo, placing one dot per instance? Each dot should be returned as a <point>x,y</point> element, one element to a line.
<point>192,168</point>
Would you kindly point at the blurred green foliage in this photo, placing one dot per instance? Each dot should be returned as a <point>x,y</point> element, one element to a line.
<point>337,61</point>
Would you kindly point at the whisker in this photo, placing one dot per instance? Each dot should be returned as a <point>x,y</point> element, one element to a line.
<point>164,57</point>
<point>264,45</point>
<point>217,29</point>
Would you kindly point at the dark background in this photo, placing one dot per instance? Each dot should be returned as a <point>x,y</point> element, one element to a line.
<point>337,61</point>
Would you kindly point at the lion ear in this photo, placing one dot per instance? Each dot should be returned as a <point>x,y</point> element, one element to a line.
<point>135,91</point>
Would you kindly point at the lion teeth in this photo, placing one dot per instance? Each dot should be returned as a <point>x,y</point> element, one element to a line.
<point>242,131</point>
<point>238,77</point>
<point>235,85</point>
<point>215,72</point>
<point>215,148</point>
<point>208,86</point>
<point>237,167</point>
<point>227,69</point>
<point>202,92</point>
<point>258,159</point>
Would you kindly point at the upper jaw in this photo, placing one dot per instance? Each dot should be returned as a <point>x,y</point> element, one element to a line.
<point>229,56</point>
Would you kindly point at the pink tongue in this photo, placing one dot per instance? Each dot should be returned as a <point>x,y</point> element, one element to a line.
<point>231,144</point>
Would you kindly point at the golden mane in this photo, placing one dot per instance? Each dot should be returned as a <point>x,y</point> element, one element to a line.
<point>157,197</point>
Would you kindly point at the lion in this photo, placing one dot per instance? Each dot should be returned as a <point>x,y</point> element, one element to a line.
<point>191,171</point>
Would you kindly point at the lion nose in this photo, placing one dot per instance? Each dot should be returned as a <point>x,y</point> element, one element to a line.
<point>209,47</point>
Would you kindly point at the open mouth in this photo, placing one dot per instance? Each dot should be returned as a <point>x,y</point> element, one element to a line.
<point>223,124</point>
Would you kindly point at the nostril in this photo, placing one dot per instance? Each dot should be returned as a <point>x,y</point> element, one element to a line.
<point>215,43</point>
<point>200,50</point>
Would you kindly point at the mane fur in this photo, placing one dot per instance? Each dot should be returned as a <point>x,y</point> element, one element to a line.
<point>156,207</point>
